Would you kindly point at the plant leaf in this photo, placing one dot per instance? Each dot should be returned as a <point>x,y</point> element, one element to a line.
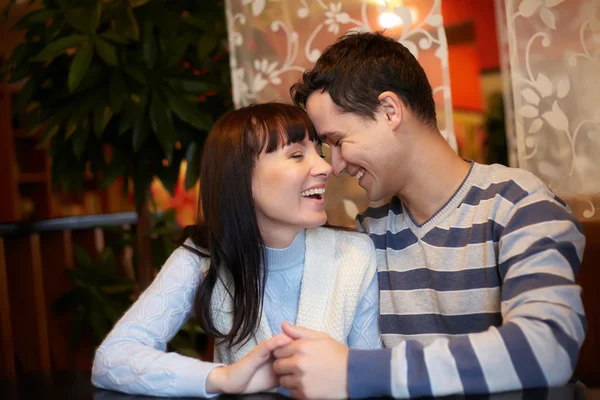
<point>80,138</point>
<point>177,51</point>
<point>82,258</point>
<point>125,24</point>
<point>112,172</point>
<point>117,91</point>
<point>102,115</point>
<point>207,43</point>
<point>187,112</point>
<point>58,46</point>
<point>137,3</point>
<point>118,288</point>
<point>80,19</point>
<point>96,16</point>
<point>107,52</point>
<point>169,176</point>
<point>79,66</point>
<point>136,74</point>
<point>192,171</point>
<point>24,96</point>
<point>108,261</point>
<point>162,124</point>
<point>140,132</point>
<point>149,46</point>
<point>196,21</point>
<point>115,37</point>
<point>35,17</point>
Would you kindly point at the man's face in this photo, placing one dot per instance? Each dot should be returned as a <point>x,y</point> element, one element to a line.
<point>365,149</point>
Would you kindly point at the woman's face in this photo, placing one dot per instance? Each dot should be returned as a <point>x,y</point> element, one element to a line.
<point>288,187</point>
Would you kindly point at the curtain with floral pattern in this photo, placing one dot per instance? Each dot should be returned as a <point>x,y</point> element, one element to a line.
<point>553,58</point>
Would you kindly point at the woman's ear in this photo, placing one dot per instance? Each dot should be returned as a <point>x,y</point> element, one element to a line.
<point>392,108</point>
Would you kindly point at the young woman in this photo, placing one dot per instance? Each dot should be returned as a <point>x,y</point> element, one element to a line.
<point>260,258</point>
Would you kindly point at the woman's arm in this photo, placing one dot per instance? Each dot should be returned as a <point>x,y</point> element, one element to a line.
<point>132,357</point>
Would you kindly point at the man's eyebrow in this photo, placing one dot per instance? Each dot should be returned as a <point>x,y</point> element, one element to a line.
<point>328,134</point>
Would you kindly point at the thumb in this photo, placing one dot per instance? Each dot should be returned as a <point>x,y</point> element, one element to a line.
<point>298,332</point>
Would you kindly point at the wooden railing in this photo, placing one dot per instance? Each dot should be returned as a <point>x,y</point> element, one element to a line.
<point>33,262</point>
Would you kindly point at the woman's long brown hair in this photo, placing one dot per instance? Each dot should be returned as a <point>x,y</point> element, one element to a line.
<point>230,232</point>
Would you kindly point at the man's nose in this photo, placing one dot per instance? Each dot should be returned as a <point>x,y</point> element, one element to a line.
<point>337,162</point>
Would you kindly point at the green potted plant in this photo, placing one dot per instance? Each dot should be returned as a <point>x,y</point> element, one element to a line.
<point>122,88</point>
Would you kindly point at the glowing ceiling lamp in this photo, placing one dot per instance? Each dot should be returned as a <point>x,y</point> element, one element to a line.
<point>389,20</point>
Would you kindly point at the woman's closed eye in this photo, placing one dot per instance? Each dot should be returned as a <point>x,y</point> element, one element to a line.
<point>297,155</point>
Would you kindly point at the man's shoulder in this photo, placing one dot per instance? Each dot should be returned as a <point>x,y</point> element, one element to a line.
<point>511,184</point>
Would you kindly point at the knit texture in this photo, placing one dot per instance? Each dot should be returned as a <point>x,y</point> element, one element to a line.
<point>336,265</point>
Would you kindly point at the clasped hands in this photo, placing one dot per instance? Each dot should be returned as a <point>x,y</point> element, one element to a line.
<point>308,363</point>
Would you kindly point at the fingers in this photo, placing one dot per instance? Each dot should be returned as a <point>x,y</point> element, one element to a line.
<point>289,350</point>
<point>286,366</point>
<point>289,382</point>
<point>277,341</point>
<point>298,332</point>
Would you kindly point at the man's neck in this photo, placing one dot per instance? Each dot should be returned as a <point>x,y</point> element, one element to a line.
<point>433,179</point>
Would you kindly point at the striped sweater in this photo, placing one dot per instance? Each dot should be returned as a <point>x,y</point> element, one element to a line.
<point>481,297</point>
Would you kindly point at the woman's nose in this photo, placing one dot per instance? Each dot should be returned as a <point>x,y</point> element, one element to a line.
<point>322,167</point>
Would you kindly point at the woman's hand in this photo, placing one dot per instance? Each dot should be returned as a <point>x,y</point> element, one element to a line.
<point>253,373</point>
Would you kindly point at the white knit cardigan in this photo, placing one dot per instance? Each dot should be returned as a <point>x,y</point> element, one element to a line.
<point>338,266</point>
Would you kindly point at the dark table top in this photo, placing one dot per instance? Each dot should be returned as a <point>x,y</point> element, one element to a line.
<point>78,386</point>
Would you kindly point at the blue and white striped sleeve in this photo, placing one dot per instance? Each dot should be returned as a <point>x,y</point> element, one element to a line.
<point>537,345</point>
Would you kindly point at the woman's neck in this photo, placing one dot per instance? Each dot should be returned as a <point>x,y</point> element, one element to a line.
<point>278,238</point>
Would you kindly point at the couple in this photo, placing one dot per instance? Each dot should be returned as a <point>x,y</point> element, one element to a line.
<point>473,266</point>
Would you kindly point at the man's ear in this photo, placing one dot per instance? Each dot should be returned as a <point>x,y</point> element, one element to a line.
<point>392,108</point>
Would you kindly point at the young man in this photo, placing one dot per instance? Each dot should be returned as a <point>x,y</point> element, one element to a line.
<point>477,263</point>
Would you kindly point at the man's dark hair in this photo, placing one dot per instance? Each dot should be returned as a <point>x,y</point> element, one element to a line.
<point>359,67</point>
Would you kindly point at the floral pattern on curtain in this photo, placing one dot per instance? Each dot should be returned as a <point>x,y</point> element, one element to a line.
<point>554,65</point>
<point>273,41</point>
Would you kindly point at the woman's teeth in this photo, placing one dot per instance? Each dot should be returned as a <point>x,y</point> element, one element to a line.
<point>359,174</point>
<point>311,192</point>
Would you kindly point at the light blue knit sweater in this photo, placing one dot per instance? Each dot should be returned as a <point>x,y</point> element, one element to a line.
<point>132,358</point>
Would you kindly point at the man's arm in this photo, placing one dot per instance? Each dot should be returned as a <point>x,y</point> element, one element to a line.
<point>543,326</point>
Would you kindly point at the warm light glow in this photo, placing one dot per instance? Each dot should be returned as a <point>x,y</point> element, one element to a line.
<point>389,20</point>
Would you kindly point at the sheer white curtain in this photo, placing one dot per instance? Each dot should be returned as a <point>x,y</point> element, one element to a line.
<point>273,41</point>
<point>553,57</point>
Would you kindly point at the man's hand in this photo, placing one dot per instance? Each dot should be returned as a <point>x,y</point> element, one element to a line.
<point>253,373</point>
<point>313,366</point>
